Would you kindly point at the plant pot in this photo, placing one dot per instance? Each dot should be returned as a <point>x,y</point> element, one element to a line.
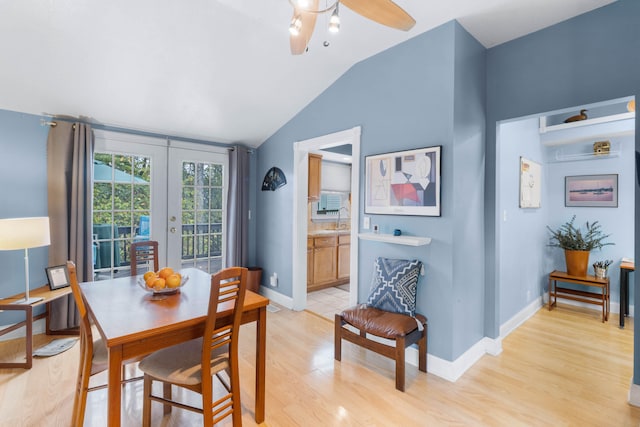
<point>577,262</point>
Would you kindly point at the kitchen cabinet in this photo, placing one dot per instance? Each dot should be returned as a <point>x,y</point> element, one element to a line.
<point>309,261</point>
<point>344,261</point>
<point>327,261</point>
<point>315,176</point>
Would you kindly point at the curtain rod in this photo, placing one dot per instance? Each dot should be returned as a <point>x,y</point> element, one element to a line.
<point>249,150</point>
<point>44,122</point>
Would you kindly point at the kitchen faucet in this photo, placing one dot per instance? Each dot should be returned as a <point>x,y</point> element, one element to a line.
<point>338,222</point>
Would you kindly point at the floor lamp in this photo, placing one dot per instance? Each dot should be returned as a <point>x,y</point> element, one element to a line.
<point>24,233</point>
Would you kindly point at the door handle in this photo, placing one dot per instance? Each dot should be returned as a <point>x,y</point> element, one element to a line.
<point>172,229</point>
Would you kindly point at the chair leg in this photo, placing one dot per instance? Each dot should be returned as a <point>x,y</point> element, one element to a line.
<point>146,401</point>
<point>166,393</point>
<point>235,398</point>
<point>422,351</point>
<point>80,401</point>
<point>337,337</point>
<point>400,350</point>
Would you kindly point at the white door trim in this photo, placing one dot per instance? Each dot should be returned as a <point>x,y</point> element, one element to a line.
<point>301,173</point>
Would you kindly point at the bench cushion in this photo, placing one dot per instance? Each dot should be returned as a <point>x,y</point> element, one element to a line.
<point>381,323</point>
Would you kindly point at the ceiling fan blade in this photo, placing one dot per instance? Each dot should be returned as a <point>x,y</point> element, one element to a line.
<point>300,42</point>
<point>383,12</point>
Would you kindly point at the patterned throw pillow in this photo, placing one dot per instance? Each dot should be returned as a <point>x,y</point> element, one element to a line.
<point>394,286</point>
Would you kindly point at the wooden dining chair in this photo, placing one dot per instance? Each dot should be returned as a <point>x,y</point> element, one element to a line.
<point>144,252</point>
<point>93,353</point>
<point>193,364</point>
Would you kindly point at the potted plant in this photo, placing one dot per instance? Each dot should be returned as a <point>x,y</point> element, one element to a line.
<point>577,244</point>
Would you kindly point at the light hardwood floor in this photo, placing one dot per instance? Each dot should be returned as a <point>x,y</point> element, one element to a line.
<point>560,368</point>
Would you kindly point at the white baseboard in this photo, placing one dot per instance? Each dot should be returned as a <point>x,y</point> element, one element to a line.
<point>634,392</point>
<point>512,324</point>
<point>277,297</point>
<point>39,327</point>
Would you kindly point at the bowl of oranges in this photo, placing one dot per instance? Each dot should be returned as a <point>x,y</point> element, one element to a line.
<point>163,282</point>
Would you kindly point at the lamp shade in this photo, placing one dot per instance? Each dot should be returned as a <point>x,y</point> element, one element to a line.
<point>24,233</point>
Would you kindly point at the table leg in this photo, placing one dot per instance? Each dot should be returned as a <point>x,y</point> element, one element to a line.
<point>115,390</point>
<point>261,351</point>
<point>624,298</point>
<point>551,283</point>
<point>28,323</point>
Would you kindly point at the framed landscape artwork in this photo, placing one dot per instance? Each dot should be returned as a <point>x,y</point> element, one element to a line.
<point>591,191</point>
<point>404,182</point>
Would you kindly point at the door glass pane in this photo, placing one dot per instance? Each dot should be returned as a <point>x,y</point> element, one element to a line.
<point>202,215</point>
<point>121,210</point>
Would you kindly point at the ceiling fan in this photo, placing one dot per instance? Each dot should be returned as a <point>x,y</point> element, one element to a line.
<point>305,12</point>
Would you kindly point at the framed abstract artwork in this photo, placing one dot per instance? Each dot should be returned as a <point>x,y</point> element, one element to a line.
<point>404,182</point>
<point>591,191</point>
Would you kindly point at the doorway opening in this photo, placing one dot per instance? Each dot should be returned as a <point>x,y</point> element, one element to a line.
<point>302,210</point>
<point>563,149</point>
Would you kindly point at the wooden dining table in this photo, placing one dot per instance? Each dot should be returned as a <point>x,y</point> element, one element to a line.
<point>133,323</point>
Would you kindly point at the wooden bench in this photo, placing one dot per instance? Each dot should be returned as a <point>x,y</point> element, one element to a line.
<point>400,328</point>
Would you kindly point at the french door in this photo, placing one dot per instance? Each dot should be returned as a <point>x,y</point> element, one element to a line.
<point>197,208</point>
<point>153,189</point>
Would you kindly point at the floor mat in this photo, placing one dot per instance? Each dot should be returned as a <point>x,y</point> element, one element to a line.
<point>55,347</point>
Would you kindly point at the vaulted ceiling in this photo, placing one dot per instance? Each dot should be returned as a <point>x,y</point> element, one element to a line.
<point>215,70</point>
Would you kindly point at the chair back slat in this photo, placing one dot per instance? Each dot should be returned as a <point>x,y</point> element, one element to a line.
<point>144,252</point>
<point>228,285</point>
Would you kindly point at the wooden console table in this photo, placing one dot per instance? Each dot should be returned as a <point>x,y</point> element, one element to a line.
<point>47,296</point>
<point>601,298</point>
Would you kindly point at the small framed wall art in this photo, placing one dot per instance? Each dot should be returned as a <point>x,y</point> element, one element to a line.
<point>591,191</point>
<point>530,182</point>
<point>58,277</point>
<point>404,182</point>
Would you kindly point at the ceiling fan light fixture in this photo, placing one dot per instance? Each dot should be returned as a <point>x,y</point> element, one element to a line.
<point>334,21</point>
<point>296,25</point>
<point>302,4</point>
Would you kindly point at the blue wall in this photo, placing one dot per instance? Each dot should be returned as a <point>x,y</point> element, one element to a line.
<point>521,259</point>
<point>427,91</point>
<point>587,59</point>
<point>23,191</point>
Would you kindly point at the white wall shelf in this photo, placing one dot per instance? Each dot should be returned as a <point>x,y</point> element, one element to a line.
<point>398,240</point>
<point>583,156</point>
<point>590,130</point>
<point>606,119</point>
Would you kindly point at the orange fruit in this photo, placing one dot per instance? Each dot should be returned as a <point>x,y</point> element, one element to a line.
<point>158,284</point>
<point>173,281</point>
<point>165,272</point>
<point>148,275</point>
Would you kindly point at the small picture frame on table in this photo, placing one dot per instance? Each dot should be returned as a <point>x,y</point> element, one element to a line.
<point>58,277</point>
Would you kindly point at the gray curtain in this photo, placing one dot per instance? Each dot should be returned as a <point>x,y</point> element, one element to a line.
<point>238,207</point>
<point>69,176</point>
